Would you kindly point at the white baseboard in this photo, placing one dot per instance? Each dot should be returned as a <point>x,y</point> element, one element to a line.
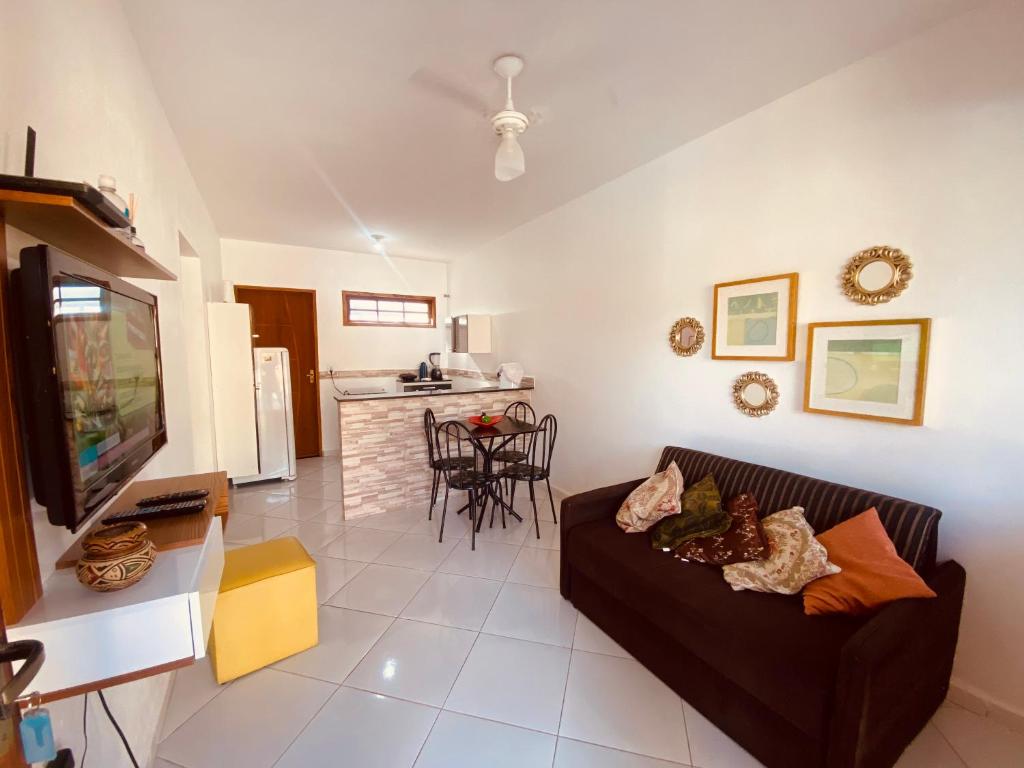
<point>979,703</point>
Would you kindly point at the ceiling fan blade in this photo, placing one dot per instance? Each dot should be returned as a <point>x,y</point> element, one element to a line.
<point>450,90</point>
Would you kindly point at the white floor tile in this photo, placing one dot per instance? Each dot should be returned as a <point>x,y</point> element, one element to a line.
<point>345,637</point>
<point>532,613</point>
<point>361,544</point>
<point>305,510</point>
<point>382,589</point>
<point>414,661</point>
<point>308,487</point>
<point>329,474</point>
<point>332,574</point>
<point>459,741</point>
<point>513,533</point>
<point>512,681</point>
<point>314,536</point>
<point>550,536</point>
<point>579,754</point>
<point>399,520</point>
<point>415,551</point>
<point>590,637</point>
<point>161,763</point>
<point>257,503</point>
<point>362,730</point>
<point>710,748</point>
<point>455,526</point>
<point>488,561</point>
<point>455,601</point>
<point>617,703</point>
<point>252,529</point>
<point>931,750</point>
<point>980,741</point>
<point>250,724</point>
<point>331,491</point>
<point>333,513</point>
<point>192,689</point>
<point>538,567</point>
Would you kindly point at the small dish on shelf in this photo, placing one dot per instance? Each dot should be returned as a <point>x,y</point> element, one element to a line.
<point>479,420</point>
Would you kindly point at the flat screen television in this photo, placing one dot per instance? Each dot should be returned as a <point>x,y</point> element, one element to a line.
<point>89,381</point>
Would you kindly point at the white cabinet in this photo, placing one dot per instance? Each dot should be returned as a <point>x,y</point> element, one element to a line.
<point>234,394</point>
<point>471,333</point>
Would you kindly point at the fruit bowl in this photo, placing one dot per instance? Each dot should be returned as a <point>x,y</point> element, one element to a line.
<point>479,420</point>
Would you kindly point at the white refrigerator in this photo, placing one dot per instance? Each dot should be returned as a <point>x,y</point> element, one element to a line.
<point>275,428</point>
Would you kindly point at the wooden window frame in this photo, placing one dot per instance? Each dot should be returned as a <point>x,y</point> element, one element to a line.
<point>347,296</point>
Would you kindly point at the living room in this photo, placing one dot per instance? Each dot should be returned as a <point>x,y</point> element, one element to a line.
<point>669,157</point>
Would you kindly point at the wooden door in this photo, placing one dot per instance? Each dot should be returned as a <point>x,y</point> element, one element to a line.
<point>286,317</point>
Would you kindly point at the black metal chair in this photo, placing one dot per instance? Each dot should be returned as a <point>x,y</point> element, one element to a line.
<point>462,458</point>
<point>517,446</point>
<point>435,459</point>
<point>536,466</point>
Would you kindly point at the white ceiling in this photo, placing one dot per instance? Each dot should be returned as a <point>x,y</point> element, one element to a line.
<point>318,122</point>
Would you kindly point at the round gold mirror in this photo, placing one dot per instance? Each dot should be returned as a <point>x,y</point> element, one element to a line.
<point>686,336</point>
<point>877,275</point>
<point>755,394</point>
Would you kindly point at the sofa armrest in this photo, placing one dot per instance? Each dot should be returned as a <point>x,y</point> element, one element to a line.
<point>894,672</point>
<point>586,507</point>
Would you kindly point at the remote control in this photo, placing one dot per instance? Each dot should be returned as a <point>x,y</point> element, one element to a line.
<point>167,498</point>
<point>142,514</point>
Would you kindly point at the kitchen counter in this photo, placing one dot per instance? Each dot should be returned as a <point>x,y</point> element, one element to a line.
<point>458,388</point>
<point>384,450</point>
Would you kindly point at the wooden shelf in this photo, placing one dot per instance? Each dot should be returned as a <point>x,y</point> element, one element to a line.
<point>64,223</point>
<point>169,532</point>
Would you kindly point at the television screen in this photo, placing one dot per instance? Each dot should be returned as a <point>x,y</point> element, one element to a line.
<point>90,374</point>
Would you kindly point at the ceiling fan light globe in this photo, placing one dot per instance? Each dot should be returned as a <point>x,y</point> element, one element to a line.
<point>509,160</point>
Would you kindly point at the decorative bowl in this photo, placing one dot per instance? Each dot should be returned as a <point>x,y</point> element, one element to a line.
<point>478,420</point>
<point>115,557</point>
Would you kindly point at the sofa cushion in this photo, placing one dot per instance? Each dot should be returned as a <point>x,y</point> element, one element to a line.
<point>872,573</point>
<point>796,559</point>
<point>742,542</point>
<point>701,514</point>
<point>652,500</point>
<point>762,642</point>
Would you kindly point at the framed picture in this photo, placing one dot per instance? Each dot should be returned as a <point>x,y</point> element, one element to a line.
<point>755,319</point>
<point>872,369</point>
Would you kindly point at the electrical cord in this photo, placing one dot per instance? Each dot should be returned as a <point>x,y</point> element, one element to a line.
<point>85,728</point>
<point>334,381</point>
<point>117,727</point>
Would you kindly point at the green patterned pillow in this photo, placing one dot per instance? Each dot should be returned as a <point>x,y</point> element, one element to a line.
<point>702,515</point>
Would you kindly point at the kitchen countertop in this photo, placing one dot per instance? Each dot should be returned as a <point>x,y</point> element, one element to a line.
<point>458,388</point>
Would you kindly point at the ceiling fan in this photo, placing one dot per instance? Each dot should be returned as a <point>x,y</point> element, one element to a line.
<point>508,123</point>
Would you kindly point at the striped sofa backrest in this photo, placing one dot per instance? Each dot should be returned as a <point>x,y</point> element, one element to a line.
<point>912,527</point>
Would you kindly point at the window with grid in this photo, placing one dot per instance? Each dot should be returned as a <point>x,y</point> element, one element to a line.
<point>388,309</point>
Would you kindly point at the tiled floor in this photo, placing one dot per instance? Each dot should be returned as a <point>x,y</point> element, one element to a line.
<point>437,656</point>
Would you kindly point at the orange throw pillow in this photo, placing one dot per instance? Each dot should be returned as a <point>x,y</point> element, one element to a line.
<point>873,574</point>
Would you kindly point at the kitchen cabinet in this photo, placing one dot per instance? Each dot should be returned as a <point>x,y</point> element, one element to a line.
<point>471,333</point>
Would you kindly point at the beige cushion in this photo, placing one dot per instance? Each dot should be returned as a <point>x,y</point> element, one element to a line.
<point>657,497</point>
<point>796,559</point>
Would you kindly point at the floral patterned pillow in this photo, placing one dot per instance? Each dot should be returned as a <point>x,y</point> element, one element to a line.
<point>655,498</point>
<point>743,541</point>
<point>796,559</point>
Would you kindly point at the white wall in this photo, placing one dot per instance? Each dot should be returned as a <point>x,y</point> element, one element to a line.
<point>73,71</point>
<point>921,147</point>
<point>345,348</point>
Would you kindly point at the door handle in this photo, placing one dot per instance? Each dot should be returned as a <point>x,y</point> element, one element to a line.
<point>33,654</point>
<point>311,376</point>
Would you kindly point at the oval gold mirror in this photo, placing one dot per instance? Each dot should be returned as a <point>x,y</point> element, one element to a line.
<point>877,275</point>
<point>755,394</point>
<point>686,336</point>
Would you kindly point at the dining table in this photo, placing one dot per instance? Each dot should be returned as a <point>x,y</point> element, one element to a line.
<point>492,438</point>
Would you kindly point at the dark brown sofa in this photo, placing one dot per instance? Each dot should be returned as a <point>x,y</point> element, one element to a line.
<point>793,690</point>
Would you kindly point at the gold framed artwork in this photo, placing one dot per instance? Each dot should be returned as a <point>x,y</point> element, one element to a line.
<point>877,275</point>
<point>869,369</point>
<point>755,319</point>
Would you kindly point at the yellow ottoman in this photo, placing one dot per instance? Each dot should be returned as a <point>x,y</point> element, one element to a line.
<point>266,608</point>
